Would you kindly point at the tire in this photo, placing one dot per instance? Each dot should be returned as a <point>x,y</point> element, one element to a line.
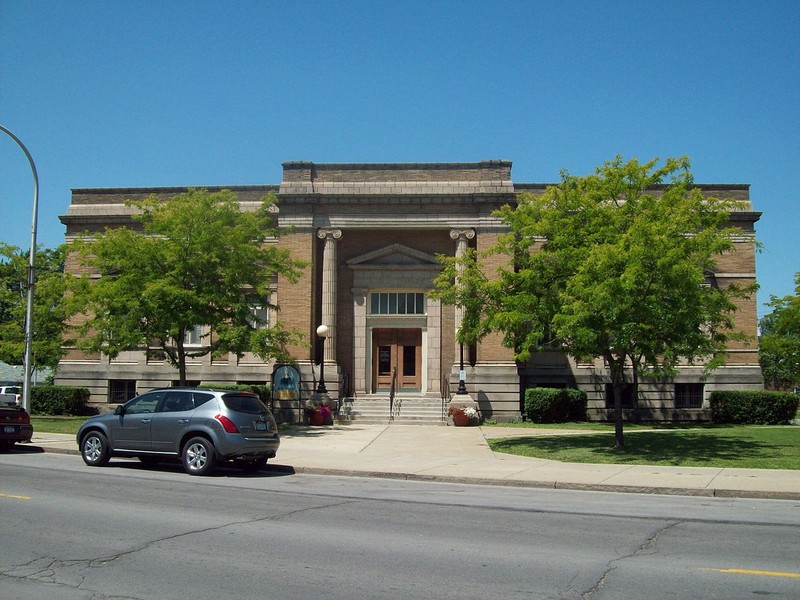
<point>198,456</point>
<point>94,449</point>
<point>253,466</point>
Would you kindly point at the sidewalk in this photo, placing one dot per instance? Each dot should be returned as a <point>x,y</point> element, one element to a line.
<point>462,455</point>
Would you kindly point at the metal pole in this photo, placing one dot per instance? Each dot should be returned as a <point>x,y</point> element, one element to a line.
<point>462,385</point>
<point>322,332</point>
<point>321,389</point>
<point>26,388</point>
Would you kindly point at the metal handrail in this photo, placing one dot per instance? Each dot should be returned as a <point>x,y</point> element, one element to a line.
<point>392,393</point>
<point>445,389</point>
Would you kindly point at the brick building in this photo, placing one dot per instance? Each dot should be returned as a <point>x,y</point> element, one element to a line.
<point>371,233</point>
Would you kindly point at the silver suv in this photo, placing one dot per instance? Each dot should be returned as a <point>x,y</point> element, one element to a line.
<point>201,427</point>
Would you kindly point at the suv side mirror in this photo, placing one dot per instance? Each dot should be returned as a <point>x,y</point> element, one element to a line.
<point>120,410</point>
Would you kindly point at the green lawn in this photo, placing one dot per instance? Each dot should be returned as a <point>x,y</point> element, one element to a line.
<point>57,424</point>
<point>742,446</point>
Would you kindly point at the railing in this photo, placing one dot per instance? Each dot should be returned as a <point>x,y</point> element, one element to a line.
<point>392,393</point>
<point>344,392</point>
<point>445,388</point>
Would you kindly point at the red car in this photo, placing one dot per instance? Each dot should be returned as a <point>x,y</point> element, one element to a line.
<point>15,425</point>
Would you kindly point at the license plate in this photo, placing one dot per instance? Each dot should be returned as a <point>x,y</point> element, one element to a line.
<point>261,426</point>
<point>9,429</point>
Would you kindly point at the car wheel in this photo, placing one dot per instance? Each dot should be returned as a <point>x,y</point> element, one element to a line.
<point>94,449</point>
<point>198,456</point>
<point>149,461</point>
<point>253,466</point>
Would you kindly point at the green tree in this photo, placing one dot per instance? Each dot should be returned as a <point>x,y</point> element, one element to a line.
<point>49,307</point>
<point>614,265</point>
<point>779,352</point>
<point>195,260</point>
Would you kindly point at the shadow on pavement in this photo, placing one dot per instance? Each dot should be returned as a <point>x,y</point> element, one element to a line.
<point>22,449</point>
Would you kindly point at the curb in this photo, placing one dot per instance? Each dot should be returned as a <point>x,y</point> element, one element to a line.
<point>519,483</point>
<point>555,485</point>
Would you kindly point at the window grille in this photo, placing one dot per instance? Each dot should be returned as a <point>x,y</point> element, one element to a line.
<point>688,395</point>
<point>397,303</point>
<point>627,396</point>
<point>121,390</point>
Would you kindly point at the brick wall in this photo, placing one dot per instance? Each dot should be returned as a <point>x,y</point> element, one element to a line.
<point>491,348</point>
<point>295,299</point>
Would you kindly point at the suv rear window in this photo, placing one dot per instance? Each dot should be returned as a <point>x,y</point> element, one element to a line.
<point>244,403</point>
<point>201,398</point>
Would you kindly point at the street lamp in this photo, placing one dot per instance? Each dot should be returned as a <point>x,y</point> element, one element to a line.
<point>462,384</point>
<point>322,332</point>
<point>26,388</point>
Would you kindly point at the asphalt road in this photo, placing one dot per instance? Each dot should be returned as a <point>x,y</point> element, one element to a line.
<point>72,532</point>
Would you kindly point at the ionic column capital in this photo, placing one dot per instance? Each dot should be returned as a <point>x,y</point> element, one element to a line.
<point>456,234</point>
<point>325,234</point>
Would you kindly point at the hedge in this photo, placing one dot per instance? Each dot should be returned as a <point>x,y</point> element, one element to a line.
<point>263,391</point>
<point>753,407</point>
<point>60,400</point>
<point>555,405</point>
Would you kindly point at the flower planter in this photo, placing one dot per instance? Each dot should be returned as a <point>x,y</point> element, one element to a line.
<point>461,420</point>
<point>316,418</point>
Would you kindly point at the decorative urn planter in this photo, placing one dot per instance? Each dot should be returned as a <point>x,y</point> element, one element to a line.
<point>461,420</point>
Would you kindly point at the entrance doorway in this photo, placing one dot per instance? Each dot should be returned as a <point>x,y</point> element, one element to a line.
<point>397,351</point>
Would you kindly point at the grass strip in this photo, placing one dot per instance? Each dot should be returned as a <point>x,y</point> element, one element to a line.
<point>746,446</point>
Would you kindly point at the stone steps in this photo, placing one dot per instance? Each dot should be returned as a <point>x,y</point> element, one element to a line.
<point>407,410</point>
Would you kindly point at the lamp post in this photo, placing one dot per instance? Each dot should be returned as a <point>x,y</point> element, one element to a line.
<point>322,332</point>
<point>462,376</point>
<point>26,388</point>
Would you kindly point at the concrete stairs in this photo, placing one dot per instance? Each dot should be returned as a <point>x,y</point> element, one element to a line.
<point>407,410</point>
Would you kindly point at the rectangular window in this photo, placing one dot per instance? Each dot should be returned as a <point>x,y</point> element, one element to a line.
<point>409,361</point>
<point>121,390</point>
<point>397,303</point>
<point>627,396</point>
<point>688,395</point>
<point>384,360</point>
<point>259,316</point>
<point>193,336</point>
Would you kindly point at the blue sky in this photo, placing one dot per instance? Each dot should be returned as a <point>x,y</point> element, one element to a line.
<point>154,93</point>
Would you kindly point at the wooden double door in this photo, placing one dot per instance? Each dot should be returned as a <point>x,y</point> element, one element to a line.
<point>397,351</point>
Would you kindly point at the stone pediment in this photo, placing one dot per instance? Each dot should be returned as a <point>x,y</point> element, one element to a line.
<point>395,255</point>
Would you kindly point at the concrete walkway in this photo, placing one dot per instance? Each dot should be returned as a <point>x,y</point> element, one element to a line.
<point>462,454</point>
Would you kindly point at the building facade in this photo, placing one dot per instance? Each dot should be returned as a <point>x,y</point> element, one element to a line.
<point>371,234</point>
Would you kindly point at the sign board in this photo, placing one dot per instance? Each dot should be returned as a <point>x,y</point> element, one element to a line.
<point>286,383</point>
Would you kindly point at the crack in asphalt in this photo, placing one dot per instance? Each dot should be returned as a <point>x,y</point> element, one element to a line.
<point>70,573</point>
<point>648,545</point>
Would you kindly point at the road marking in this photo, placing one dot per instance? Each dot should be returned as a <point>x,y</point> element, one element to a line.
<point>754,572</point>
<point>13,497</point>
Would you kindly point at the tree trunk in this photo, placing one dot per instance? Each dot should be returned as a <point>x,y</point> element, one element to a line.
<point>617,369</point>
<point>635,390</point>
<point>619,441</point>
<point>181,352</point>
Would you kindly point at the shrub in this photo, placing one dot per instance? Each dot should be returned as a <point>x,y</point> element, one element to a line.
<point>263,391</point>
<point>555,405</point>
<point>753,407</point>
<point>60,400</point>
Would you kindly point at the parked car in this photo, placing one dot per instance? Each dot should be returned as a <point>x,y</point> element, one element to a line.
<point>201,427</point>
<point>15,423</point>
<point>10,393</point>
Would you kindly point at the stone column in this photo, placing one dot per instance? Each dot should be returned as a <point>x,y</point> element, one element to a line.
<point>462,237</point>
<point>329,268</point>
<point>461,398</point>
